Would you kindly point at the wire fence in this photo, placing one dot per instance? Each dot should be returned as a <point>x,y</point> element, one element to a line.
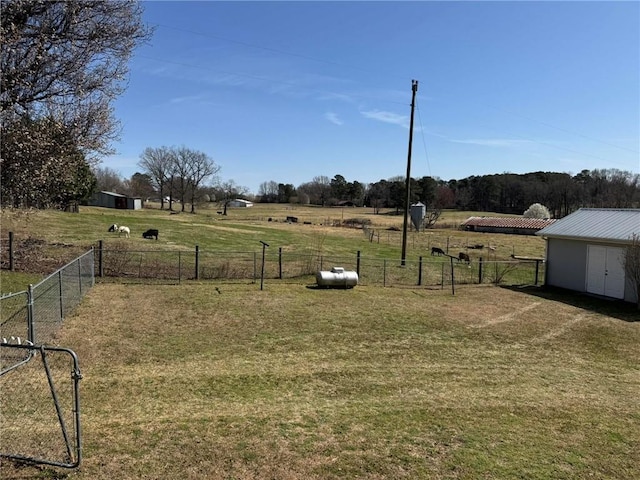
<point>175,266</point>
<point>39,405</point>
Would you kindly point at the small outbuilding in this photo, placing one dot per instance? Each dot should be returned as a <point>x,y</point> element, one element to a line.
<point>115,200</point>
<point>240,203</point>
<point>585,251</point>
<point>512,225</point>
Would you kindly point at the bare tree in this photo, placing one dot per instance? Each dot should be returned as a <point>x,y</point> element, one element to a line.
<point>181,166</point>
<point>141,185</point>
<point>268,191</point>
<point>158,164</point>
<point>632,264</point>
<point>109,180</point>
<point>227,191</point>
<point>201,167</point>
<point>180,170</point>
<point>67,59</point>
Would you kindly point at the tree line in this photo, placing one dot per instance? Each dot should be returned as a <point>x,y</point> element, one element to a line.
<point>561,193</point>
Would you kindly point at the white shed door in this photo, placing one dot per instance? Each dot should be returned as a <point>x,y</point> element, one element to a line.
<point>605,271</point>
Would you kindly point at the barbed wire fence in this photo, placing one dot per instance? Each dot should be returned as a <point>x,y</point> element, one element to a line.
<point>39,405</point>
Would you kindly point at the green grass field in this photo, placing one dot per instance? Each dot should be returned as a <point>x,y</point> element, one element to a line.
<point>243,229</point>
<point>189,381</point>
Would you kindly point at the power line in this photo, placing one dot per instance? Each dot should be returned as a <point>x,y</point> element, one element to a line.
<point>424,142</point>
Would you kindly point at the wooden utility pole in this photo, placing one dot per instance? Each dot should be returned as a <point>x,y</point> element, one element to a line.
<point>414,89</point>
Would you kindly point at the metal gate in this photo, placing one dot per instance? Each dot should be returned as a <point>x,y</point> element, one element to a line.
<point>40,404</point>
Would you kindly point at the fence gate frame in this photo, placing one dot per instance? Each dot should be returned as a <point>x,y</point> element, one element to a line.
<point>26,359</point>
<point>71,434</point>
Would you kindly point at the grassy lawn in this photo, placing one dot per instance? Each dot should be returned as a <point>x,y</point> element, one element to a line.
<point>294,382</point>
<point>243,229</point>
<point>222,380</point>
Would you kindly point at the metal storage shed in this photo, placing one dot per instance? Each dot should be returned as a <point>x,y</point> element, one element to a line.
<point>239,202</point>
<point>585,251</point>
<point>115,200</point>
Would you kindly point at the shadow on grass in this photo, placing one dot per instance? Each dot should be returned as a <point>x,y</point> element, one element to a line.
<point>625,311</point>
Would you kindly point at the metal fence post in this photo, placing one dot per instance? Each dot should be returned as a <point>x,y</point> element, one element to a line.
<point>453,281</point>
<point>280,263</point>
<point>100,264</point>
<point>11,266</point>
<point>480,270</point>
<point>537,271</point>
<point>179,266</point>
<point>197,262</point>
<point>79,276</point>
<point>420,271</point>
<point>93,268</point>
<point>30,328</point>
<point>60,287</point>
<point>358,263</point>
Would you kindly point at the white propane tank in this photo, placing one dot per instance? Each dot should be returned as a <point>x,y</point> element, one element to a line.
<point>337,278</point>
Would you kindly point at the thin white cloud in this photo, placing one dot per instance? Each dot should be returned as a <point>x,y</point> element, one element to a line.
<point>491,142</point>
<point>188,99</point>
<point>333,118</point>
<point>387,117</point>
<point>342,97</point>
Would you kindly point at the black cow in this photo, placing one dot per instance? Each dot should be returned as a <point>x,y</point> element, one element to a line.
<point>152,232</point>
<point>437,251</point>
<point>463,257</point>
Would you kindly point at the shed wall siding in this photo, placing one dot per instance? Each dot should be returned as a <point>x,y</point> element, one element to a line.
<point>566,264</point>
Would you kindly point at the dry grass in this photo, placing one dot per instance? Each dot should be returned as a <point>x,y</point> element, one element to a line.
<point>295,382</point>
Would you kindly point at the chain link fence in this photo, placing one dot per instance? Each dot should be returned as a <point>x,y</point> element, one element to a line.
<point>39,405</point>
<point>58,294</point>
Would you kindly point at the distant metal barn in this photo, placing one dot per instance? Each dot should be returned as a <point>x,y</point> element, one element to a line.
<point>115,200</point>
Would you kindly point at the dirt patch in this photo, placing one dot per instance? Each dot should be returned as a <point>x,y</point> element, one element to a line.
<point>36,255</point>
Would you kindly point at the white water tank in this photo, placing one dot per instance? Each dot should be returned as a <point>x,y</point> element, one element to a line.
<point>338,277</point>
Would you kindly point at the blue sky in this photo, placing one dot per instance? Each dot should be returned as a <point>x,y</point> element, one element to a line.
<point>287,91</point>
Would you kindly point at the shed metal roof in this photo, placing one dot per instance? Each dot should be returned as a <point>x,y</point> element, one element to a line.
<point>604,224</point>
<point>113,194</point>
<point>508,222</point>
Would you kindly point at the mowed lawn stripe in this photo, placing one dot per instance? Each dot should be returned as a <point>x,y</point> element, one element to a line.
<point>291,382</point>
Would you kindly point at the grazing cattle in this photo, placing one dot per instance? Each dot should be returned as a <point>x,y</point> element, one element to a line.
<point>463,257</point>
<point>124,230</point>
<point>151,233</point>
<point>437,251</point>
<point>113,228</point>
